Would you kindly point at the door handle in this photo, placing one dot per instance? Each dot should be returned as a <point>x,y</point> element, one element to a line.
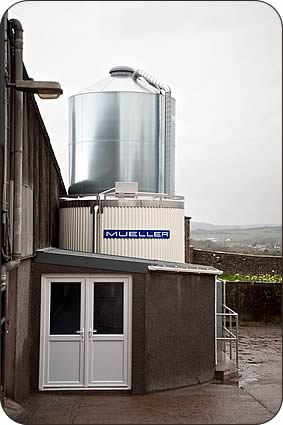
<point>91,332</point>
<point>82,333</point>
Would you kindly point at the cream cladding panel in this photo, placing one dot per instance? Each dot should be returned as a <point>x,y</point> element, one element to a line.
<point>76,229</point>
<point>144,218</point>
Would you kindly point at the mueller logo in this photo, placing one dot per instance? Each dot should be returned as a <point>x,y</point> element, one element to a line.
<point>136,234</point>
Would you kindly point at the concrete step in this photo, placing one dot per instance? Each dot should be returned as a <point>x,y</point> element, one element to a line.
<point>226,369</point>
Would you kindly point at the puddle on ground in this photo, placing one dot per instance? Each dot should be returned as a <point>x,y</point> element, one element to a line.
<point>259,353</point>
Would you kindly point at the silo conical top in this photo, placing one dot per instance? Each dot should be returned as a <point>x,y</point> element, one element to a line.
<point>120,80</point>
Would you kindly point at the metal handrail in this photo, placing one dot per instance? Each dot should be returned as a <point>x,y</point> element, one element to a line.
<point>95,196</point>
<point>230,309</point>
<point>232,337</point>
<point>229,332</point>
<point>148,194</point>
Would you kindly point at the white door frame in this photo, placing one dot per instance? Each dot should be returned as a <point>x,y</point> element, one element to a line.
<point>86,280</point>
<point>46,338</point>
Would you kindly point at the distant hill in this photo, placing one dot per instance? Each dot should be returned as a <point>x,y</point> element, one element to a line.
<point>208,226</point>
<point>251,238</point>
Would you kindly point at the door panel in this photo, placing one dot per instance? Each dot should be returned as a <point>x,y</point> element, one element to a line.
<point>107,362</point>
<point>85,332</point>
<point>108,314</point>
<point>63,358</point>
<point>63,340</point>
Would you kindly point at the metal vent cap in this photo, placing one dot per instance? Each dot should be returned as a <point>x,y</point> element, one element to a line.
<point>124,71</point>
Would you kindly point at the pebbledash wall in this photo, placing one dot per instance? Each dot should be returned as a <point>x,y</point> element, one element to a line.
<point>232,263</point>
<point>170,312</point>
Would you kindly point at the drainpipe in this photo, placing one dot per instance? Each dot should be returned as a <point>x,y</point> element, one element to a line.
<point>18,154</point>
<point>5,268</point>
<point>165,185</point>
<point>4,212</point>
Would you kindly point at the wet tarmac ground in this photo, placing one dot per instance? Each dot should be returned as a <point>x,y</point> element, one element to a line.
<point>260,364</point>
<point>254,400</point>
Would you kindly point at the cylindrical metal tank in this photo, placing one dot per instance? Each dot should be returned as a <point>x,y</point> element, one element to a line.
<point>117,133</point>
<point>151,228</point>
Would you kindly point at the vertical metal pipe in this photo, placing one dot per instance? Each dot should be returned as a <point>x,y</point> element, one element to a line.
<point>224,309</point>
<point>166,184</point>
<point>18,161</point>
<point>95,228</point>
<point>224,331</point>
<point>215,317</point>
<point>167,162</point>
<point>230,329</point>
<point>237,342</point>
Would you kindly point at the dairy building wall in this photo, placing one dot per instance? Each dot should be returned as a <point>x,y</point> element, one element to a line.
<point>170,313</point>
<point>42,187</point>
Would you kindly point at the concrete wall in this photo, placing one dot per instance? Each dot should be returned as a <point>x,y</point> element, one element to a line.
<point>173,328</point>
<point>41,175</point>
<point>23,324</point>
<point>138,338</point>
<point>232,263</point>
<point>42,186</point>
<point>255,301</point>
<point>41,190</point>
<point>179,330</point>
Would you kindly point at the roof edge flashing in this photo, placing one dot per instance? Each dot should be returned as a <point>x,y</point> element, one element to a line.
<point>184,270</point>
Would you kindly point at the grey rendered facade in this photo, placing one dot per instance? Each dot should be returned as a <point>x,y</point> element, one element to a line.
<point>42,185</point>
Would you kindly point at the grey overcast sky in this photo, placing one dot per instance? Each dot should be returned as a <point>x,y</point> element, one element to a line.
<point>223,63</point>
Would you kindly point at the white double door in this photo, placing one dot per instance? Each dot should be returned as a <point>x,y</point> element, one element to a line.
<point>85,332</point>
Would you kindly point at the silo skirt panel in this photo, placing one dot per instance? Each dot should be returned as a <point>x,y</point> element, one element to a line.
<point>142,232</point>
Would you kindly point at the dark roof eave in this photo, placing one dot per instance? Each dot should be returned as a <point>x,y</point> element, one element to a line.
<point>80,259</point>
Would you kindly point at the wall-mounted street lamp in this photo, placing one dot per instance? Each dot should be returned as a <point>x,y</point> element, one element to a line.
<point>44,89</point>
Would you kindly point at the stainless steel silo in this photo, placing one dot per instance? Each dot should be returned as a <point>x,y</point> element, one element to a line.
<point>120,131</point>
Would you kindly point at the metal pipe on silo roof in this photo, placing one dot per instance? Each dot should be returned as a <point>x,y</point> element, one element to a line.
<point>167,157</point>
<point>151,80</point>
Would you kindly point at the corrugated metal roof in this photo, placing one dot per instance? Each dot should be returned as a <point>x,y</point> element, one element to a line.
<point>116,262</point>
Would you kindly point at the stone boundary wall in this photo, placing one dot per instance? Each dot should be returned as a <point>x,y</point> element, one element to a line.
<point>232,263</point>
